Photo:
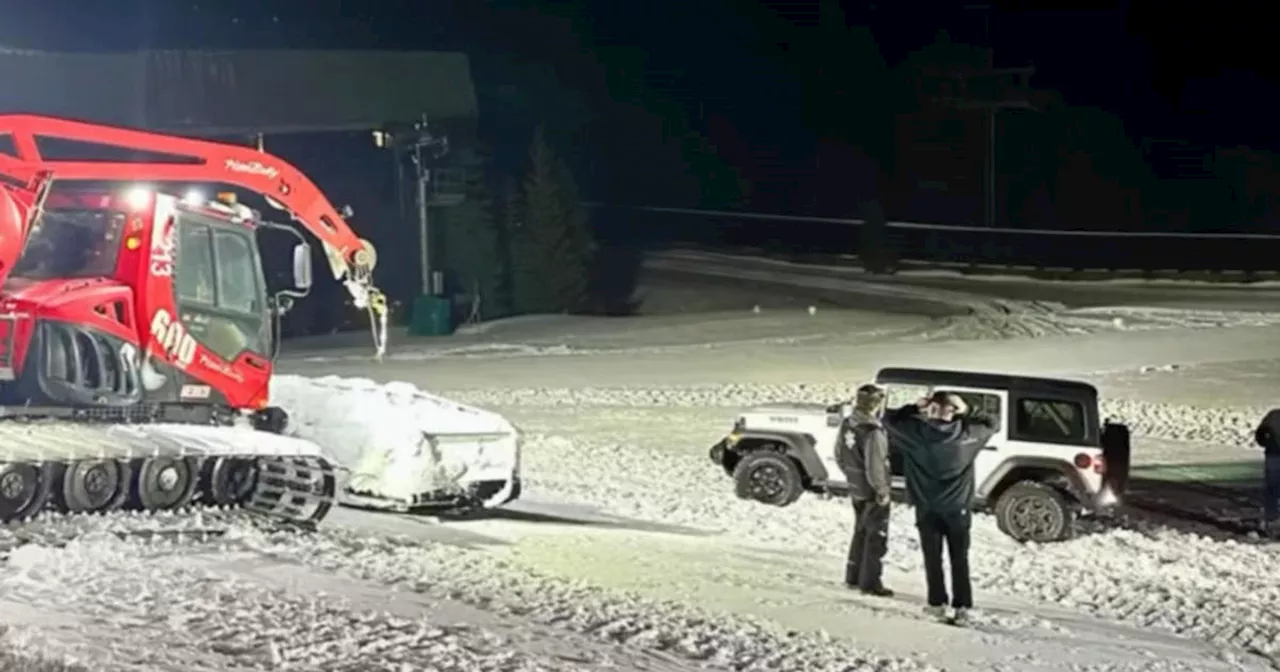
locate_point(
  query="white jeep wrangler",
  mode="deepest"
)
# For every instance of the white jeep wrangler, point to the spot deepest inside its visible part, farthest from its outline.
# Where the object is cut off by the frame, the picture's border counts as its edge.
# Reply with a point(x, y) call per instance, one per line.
point(1049, 459)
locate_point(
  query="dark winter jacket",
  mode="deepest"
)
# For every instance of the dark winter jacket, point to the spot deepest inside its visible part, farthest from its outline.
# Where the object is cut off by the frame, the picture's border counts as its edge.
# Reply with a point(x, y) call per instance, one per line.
point(1268, 433)
point(862, 453)
point(937, 457)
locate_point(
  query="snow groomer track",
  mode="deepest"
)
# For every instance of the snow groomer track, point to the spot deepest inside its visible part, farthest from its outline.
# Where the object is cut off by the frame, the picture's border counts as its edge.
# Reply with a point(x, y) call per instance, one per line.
point(84, 467)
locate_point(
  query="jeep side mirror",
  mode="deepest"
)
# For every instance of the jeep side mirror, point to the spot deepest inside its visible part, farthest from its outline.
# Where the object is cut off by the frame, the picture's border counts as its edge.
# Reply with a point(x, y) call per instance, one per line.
point(302, 266)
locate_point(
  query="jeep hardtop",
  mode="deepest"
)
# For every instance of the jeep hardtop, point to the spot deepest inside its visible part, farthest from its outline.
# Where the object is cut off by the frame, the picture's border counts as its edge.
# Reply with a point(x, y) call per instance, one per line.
point(1051, 457)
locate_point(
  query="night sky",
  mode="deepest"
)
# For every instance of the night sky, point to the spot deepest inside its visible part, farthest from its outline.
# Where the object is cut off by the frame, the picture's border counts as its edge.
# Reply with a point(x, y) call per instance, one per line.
point(1140, 60)
point(748, 76)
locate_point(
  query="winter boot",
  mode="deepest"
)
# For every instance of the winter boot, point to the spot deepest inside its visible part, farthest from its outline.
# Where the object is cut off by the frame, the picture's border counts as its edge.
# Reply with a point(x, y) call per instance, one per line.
point(937, 611)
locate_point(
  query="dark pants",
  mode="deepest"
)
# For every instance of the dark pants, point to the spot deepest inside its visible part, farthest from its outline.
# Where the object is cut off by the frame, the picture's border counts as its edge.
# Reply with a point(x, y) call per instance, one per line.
point(870, 542)
point(949, 529)
point(1271, 488)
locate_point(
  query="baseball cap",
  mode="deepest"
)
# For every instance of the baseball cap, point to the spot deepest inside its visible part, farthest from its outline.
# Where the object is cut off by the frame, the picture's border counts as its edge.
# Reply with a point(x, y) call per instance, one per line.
point(869, 395)
point(871, 388)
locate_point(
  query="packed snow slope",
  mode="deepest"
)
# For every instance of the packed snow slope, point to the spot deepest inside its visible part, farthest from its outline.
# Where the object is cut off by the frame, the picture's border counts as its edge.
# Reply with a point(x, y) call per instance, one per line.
point(622, 425)
point(628, 550)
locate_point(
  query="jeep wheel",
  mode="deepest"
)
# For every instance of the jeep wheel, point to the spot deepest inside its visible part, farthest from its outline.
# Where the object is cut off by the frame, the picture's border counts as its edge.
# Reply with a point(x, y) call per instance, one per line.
point(1033, 511)
point(769, 478)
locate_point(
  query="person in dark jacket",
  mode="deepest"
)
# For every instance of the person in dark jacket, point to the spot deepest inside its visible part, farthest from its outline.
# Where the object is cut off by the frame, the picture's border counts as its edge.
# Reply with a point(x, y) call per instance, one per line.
point(862, 453)
point(1267, 437)
point(939, 442)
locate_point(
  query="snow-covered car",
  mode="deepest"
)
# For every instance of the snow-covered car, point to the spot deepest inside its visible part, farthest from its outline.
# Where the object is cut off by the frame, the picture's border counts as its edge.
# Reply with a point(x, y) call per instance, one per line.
point(401, 448)
point(1050, 459)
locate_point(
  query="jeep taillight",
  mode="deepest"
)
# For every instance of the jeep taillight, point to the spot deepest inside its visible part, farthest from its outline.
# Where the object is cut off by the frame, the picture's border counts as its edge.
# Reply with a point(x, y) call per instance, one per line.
point(1085, 460)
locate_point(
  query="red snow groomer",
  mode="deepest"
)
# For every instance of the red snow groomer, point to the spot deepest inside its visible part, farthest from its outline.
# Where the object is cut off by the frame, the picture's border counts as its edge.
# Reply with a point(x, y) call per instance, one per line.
point(137, 331)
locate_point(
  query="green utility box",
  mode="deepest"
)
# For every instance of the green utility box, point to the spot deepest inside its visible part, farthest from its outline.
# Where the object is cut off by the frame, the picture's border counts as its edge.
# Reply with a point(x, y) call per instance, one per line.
point(432, 316)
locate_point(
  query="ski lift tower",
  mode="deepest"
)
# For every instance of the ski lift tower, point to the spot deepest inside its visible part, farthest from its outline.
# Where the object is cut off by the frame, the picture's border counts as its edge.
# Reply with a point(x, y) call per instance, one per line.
point(434, 186)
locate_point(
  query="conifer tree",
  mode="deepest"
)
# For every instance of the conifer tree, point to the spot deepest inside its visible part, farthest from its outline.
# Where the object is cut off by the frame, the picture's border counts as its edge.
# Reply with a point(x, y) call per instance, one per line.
point(552, 246)
point(471, 245)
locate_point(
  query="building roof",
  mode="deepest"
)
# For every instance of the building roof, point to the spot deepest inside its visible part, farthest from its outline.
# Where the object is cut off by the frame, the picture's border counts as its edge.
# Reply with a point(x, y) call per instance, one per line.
point(232, 92)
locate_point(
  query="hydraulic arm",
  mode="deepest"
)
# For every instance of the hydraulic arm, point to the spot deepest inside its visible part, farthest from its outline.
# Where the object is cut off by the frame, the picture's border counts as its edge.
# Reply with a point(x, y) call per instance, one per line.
point(351, 258)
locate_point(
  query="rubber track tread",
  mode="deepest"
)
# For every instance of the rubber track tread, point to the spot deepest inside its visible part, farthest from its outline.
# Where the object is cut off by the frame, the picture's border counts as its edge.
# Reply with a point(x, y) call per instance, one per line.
point(293, 481)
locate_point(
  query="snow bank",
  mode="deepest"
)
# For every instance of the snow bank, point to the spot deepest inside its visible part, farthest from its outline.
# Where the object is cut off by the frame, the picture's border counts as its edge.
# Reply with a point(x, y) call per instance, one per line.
point(1225, 426)
point(399, 442)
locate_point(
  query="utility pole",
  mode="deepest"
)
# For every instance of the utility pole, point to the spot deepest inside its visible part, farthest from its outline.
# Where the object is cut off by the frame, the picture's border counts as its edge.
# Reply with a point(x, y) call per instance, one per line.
point(424, 149)
point(431, 314)
point(424, 222)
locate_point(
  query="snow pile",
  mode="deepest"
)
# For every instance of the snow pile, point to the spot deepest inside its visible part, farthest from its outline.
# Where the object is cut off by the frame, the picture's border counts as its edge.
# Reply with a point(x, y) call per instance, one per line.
point(397, 441)
point(1227, 426)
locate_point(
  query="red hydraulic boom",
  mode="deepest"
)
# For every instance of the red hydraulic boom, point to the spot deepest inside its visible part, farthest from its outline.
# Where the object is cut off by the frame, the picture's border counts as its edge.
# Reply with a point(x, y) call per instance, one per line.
point(350, 257)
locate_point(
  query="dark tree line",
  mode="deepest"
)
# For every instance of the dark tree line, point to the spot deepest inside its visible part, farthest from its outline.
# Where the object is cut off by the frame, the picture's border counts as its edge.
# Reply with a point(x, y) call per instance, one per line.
point(520, 246)
point(878, 145)
point(865, 144)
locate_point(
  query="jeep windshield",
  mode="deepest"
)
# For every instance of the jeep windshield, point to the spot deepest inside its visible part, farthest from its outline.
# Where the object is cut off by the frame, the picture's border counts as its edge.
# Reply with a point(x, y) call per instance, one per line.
point(71, 243)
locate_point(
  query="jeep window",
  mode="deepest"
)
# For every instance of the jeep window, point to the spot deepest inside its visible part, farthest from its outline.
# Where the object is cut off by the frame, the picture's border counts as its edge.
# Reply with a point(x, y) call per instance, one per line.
point(901, 395)
point(1052, 420)
point(986, 405)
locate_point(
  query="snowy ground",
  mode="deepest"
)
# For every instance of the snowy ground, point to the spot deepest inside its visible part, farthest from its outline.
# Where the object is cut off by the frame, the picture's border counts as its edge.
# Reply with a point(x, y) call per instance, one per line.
point(629, 550)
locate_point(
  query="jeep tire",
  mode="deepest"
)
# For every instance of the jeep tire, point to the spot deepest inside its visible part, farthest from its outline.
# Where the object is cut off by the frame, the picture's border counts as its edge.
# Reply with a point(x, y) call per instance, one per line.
point(769, 478)
point(1034, 511)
